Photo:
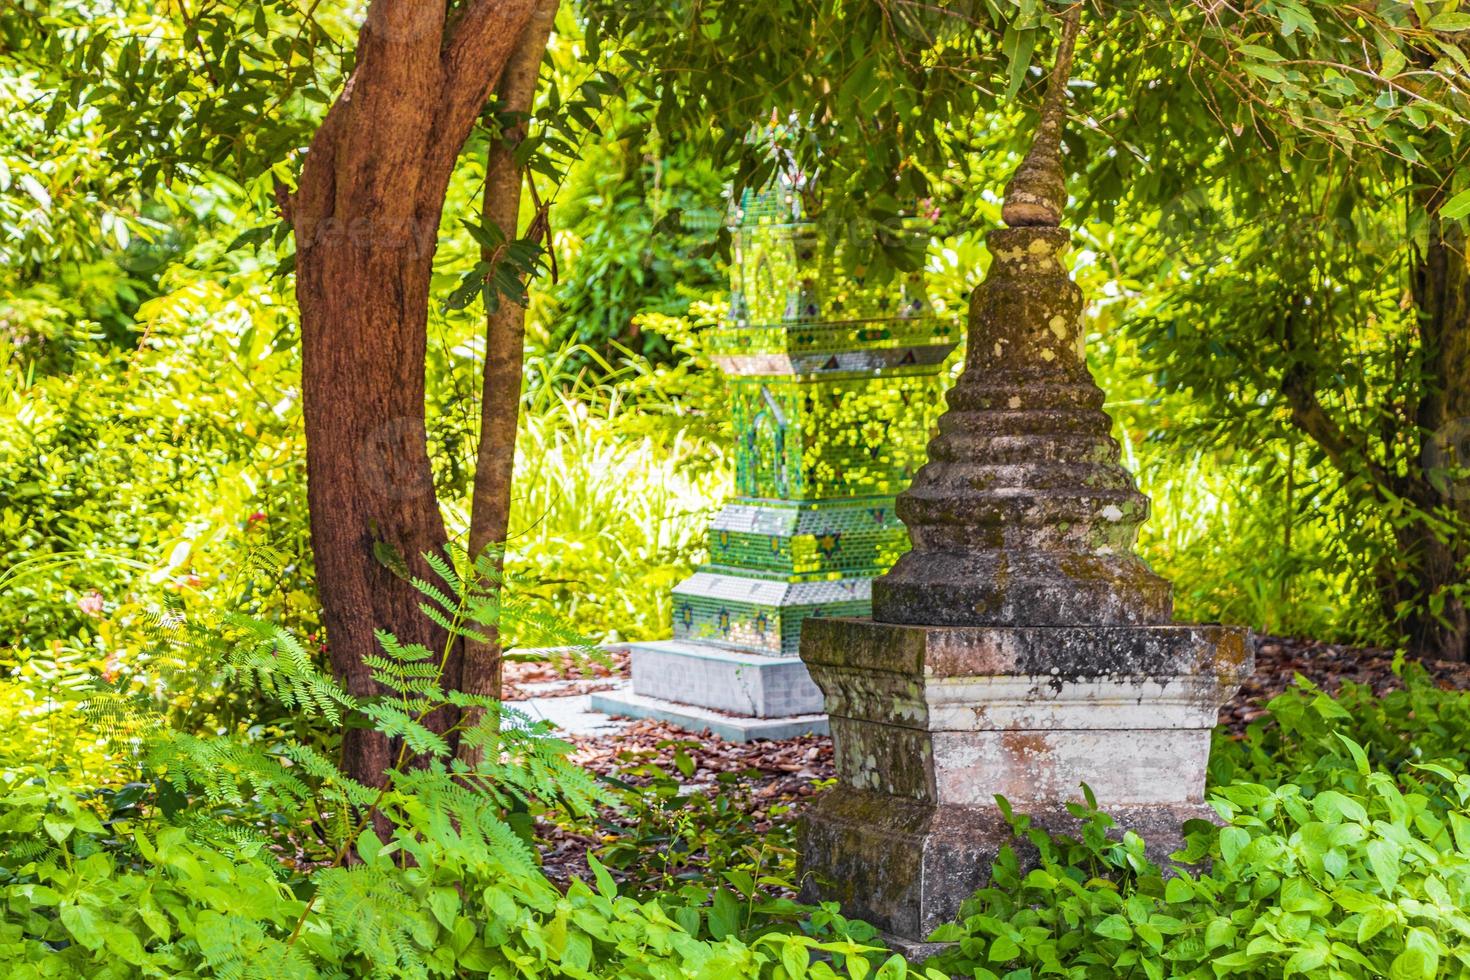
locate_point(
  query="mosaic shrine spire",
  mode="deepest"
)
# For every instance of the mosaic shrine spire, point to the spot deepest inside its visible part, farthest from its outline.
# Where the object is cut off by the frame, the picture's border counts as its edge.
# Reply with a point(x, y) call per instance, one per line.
point(833, 383)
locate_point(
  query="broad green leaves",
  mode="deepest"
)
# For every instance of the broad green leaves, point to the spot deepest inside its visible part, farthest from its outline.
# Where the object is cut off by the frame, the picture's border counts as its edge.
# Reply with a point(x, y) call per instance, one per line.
point(1354, 874)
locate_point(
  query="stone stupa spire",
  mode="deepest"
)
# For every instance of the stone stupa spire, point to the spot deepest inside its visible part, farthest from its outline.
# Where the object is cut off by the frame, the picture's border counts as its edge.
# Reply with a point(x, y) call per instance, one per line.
point(1023, 515)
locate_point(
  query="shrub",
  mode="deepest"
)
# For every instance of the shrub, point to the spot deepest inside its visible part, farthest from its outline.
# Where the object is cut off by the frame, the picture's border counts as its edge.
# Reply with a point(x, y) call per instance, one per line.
point(240, 856)
point(1344, 854)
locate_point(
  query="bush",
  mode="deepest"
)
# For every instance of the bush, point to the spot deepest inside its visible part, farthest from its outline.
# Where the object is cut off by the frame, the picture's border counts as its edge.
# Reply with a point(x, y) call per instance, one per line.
point(1349, 858)
point(252, 855)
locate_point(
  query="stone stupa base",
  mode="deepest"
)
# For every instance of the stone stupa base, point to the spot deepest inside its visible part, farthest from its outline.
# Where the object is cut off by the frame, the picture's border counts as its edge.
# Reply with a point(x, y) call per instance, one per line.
point(931, 723)
point(906, 866)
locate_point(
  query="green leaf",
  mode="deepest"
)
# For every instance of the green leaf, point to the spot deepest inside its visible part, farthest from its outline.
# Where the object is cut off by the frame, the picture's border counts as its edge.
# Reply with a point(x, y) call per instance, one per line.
point(1393, 63)
point(606, 887)
point(1307, 960)
point(1333, 807)
point(58, 828)
point(1264, 71)
point(794, 957)
point(1219, 932)
point(444, 903)
point(1383, 858)
point(1260, 53)
point(1232, 840)
point(1360, 758)
point(1003, 950)
point(1017, 47)
point(1114, 927)
point(724, 914)
point(1450, 21)
point(1456, 207)
point(1374, 921)
point(1413, 964)
point(83, 925)
point(251, 236)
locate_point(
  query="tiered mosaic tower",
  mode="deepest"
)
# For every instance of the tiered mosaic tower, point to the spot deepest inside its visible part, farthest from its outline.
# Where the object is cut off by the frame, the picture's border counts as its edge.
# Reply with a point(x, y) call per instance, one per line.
point(834, 388)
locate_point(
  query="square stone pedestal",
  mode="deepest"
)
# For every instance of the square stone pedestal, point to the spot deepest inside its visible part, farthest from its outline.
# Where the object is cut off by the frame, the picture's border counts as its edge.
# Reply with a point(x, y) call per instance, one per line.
point(930, 724)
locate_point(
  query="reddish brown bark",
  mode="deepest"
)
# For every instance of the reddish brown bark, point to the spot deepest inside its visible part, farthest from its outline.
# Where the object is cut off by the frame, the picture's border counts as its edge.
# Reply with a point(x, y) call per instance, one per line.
point(366, 216)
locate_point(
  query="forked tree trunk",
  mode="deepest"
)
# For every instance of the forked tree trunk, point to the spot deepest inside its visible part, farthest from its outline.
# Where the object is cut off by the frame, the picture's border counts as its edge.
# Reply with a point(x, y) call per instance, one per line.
point(366, 217)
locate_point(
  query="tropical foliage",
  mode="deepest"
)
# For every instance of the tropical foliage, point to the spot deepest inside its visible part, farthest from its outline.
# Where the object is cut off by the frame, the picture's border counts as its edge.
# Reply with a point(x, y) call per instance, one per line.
point(1270, 203)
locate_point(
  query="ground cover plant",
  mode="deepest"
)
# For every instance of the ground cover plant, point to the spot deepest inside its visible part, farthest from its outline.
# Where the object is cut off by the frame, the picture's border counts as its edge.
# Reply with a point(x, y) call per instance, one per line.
point(255, 856)
point(1346, 853)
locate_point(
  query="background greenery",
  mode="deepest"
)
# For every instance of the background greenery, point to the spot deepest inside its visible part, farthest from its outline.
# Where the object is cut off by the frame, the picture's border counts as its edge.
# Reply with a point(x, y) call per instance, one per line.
point(168, 803)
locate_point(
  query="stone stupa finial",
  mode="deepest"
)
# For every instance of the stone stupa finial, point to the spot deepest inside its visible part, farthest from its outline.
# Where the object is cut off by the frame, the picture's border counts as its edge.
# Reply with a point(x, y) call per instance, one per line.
point(1037, 193)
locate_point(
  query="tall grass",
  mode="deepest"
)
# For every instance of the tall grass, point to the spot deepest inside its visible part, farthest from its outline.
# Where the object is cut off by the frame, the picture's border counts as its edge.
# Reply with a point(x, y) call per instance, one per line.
point(616, 479)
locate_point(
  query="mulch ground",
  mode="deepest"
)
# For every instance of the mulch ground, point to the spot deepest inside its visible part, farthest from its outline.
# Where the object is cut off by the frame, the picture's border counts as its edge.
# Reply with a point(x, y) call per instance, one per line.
point(786, 771)
point(564, 674)
point(1280, 659)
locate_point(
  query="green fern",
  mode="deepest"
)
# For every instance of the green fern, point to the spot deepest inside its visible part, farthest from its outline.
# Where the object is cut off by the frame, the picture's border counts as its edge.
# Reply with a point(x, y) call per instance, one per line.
point(277, 663)
point(478, 602)
point(394, 722)
point(370, 911)
point(227, 770)
point(237, 948)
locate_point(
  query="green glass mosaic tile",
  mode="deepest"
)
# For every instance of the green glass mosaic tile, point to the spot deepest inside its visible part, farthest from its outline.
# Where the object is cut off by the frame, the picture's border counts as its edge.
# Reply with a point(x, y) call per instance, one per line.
point(731, 611)
point(838, 438)
point(834, 540)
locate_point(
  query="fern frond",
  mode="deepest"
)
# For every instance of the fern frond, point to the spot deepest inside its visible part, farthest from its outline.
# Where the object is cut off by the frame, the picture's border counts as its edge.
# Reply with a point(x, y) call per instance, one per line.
point(279, 666)
point(336, 785)
point(237, 947)
point(521, 760)
point(466, 821)
point(432, 592)
point(442, 568)
point(487, 566)
point(455, 626)
point(405, 652)
point(119, 719)
point(395, 723)
point(371, 912)
point(219, 767)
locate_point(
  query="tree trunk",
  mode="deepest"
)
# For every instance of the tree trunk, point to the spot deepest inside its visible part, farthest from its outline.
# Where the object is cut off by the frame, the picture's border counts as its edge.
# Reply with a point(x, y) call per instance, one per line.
point(366, 217)
point(1438, 560)
point(500, 397)
point(1433, 545)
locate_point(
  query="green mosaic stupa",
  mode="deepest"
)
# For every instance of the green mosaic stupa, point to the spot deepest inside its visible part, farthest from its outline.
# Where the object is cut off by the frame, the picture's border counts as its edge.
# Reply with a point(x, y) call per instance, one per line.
point(834, 386)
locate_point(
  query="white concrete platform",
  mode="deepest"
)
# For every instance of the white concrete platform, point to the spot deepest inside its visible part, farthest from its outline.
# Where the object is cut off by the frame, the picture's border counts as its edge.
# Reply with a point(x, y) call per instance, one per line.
point(571, 714)
point(731, 682)
point(624, 703)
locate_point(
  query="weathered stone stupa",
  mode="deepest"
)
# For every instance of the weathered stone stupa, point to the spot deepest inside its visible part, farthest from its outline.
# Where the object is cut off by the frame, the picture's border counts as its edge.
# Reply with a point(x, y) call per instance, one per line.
point(1020, 648)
